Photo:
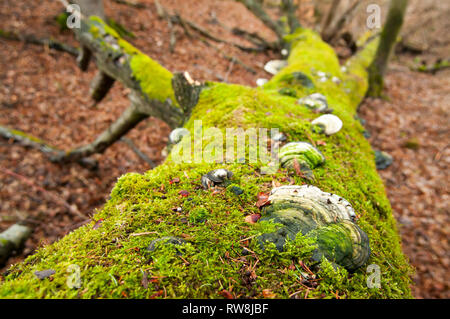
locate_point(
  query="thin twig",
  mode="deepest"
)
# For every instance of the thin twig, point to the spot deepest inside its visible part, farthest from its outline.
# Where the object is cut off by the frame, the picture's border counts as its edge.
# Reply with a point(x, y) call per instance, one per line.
point(133, 4)
point(177, 18)
point(36, 143)
point(230, 68)
point(330, 15)
point(229, 57)
point(217, 75)
point(46, 42)
point(144, 233)
point(341, 21)
point(252, 37)
point(255, 7)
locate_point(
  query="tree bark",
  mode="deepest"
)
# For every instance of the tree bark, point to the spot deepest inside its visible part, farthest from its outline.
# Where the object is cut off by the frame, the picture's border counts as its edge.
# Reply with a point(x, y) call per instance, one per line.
point(388, 39)
point(100, 86)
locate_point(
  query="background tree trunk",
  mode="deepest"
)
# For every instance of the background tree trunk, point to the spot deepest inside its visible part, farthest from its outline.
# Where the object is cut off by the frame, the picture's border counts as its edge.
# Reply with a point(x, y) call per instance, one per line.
point(388, 39)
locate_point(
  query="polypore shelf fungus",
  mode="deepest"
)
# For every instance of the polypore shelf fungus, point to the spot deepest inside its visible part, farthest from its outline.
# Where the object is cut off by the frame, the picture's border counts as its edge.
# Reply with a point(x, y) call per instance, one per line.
point(328, 218)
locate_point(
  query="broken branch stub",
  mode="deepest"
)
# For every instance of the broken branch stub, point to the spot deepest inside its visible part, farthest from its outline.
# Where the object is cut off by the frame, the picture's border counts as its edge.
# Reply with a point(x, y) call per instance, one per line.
point(187, 91)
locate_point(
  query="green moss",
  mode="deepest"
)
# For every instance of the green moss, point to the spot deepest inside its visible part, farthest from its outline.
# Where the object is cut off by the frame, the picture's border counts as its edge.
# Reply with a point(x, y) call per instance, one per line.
point(61, 21)
point(143, 207)
point(154, 80)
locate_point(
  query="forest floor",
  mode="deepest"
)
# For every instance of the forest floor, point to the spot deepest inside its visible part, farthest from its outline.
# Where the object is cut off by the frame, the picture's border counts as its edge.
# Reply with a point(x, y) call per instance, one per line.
point(43, 92)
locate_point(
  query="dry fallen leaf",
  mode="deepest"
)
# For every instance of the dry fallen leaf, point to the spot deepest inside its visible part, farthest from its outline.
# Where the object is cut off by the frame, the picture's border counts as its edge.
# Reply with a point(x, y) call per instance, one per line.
point(184, 193)
point(226, 294)
point(263, 199)
point(253, 218)
point(267, 293)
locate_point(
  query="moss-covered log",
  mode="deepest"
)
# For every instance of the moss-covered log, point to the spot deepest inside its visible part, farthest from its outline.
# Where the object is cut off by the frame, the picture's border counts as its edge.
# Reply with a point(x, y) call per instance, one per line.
point(210, 250)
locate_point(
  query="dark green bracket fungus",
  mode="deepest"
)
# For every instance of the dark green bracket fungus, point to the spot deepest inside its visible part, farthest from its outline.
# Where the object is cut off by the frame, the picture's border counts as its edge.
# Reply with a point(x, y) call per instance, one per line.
point(302, 154)
point(154, 203)
point(326, 217)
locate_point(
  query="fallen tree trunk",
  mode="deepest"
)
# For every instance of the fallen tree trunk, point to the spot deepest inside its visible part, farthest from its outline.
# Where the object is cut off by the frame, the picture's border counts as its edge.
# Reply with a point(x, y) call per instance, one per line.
point(161, 234)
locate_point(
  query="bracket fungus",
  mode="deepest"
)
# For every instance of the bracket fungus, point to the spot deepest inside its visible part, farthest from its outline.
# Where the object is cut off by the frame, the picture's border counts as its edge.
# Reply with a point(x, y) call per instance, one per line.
point(306, 155)
point(275, 66)
point(279, 137)
point(216, 177)
point(328, 218)
point(316, 101)
point(177, 135)
point(329, 123)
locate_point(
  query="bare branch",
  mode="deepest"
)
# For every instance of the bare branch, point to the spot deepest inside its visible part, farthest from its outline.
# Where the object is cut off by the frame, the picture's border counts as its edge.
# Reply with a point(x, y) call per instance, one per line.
point(255, 7)
point(328, 36)
point(289, 9)
point(32, 39)
point(138, 152)
point(330, 15)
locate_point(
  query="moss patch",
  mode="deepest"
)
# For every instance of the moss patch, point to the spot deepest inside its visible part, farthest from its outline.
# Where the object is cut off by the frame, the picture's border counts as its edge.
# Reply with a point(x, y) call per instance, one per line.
point(154, 79)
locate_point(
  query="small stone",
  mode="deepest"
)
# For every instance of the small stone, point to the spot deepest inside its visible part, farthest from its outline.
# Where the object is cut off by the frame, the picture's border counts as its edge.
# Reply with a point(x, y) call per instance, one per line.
point(360, 120)
point(336, 80)
point(330, 123)
point(383, 160)
point(43, 274)
point(321, 74)
point(275, 66)
point(261, 82)
point(279, 137)
point(216, 177)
